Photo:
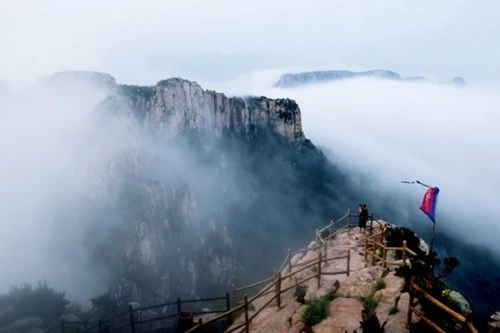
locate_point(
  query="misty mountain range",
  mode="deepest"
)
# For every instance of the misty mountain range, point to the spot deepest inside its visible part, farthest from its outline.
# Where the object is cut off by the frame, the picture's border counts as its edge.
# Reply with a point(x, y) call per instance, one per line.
point(305, 78)
point(174, 190)
point(196, 186)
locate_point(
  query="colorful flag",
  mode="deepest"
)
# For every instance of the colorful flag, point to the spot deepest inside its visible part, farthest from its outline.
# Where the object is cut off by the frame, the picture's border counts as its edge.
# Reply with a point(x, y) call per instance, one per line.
point(429, 202)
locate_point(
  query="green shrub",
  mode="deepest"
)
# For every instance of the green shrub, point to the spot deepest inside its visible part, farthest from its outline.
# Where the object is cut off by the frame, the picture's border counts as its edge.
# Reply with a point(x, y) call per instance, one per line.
point(369, 303)
point(300, 293)
point(40, 301)
point(380, 284)
point(450, 302)
point(393, 310)
point(315, 312)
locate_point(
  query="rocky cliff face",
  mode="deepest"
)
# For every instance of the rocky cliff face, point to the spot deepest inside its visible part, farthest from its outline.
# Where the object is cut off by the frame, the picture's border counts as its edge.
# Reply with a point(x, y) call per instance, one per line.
point(299, 79)
point(175, 106)
point(201, 185)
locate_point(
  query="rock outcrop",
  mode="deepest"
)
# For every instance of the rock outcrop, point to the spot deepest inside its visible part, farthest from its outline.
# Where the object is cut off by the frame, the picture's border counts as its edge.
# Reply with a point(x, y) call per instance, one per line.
point(348, 292)
point(175, 105)
point(494, 323)
point(299, 79)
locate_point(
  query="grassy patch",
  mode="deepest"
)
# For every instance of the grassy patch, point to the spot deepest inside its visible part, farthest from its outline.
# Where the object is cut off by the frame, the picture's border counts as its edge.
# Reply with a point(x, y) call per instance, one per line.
point(393, 310)
point(315, 312)
point(369, 303)
point(380, 284)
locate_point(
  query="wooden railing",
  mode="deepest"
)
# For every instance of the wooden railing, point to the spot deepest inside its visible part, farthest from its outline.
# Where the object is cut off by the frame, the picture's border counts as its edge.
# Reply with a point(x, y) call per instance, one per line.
point(140, 319)
point(276, 285)
point(464, 320)
point(376, 249)
point(377, 242)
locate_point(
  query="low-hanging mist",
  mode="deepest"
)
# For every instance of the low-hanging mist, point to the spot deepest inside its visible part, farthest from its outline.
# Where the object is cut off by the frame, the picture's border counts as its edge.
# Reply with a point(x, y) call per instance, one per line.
point(179, 191)
point(52, 161)
point(167, 189)
point(444, 136)
point(383, 132)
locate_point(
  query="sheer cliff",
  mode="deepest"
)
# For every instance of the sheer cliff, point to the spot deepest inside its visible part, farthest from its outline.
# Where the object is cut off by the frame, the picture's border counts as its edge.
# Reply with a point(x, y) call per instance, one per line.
point(198, 187)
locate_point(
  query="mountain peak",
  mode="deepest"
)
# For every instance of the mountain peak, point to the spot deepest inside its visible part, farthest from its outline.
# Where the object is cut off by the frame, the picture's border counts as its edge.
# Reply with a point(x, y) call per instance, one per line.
point(298, 79)
point(177, 82)
point(97, 78)
point(176, 105)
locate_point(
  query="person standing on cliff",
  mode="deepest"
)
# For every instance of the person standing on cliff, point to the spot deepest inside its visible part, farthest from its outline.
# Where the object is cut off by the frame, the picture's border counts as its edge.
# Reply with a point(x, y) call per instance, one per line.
point(363, 216)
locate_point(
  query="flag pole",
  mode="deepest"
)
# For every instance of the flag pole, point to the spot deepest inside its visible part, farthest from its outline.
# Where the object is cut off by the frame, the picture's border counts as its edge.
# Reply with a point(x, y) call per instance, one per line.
point(432, 237)
point(433, 222)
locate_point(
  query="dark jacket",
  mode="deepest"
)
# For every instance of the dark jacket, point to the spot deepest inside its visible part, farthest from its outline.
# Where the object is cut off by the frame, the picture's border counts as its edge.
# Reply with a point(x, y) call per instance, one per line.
point(363, 218)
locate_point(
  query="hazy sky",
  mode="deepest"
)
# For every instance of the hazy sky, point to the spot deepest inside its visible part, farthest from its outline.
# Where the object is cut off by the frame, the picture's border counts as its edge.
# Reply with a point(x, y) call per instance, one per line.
point(145, 41)
point(442, 135)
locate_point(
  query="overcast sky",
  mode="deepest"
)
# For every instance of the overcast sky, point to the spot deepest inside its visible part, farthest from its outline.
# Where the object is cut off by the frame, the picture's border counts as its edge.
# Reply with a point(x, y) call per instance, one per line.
point(145, 41)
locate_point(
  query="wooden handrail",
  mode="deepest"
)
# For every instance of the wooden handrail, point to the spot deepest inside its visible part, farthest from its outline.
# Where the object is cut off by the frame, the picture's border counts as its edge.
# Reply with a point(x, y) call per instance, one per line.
point(464, 320)
point(286, 261)
point(440, 305)
point(261, 293)
point(315, 262)
point(268, 290)
point(427, 321)
point(300, 282)
point(278, 280)
point(335, 258)
point(263, 307)
point(254, 284)
point(335, 222)
point(314, 248)
point(304, 263)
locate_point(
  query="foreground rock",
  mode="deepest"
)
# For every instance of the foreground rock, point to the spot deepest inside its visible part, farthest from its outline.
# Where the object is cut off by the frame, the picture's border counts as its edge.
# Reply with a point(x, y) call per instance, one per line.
point(494, 323)
point(344, 311)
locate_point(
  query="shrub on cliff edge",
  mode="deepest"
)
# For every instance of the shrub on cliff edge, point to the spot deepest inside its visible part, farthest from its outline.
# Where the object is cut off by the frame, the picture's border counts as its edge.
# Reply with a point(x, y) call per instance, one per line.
point(315, 312)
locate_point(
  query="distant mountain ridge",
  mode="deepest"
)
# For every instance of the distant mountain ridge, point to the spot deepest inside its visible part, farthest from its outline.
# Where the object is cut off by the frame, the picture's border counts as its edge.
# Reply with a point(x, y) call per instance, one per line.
point(305, 78)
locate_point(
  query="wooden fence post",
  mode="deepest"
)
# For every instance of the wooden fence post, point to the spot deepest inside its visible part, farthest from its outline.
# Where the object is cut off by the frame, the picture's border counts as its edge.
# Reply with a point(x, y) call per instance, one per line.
point(278, 289)
point(348, 217)
point(410, 305)
point(235, 301)
point(348, 262)
point(468, 321)
point(131, 316)
point(179, 305)
point(245, 300)
point(366, 248)
point(289, 262)
point(371, 224)
point(404, 253)
point(326, 253)
point(100, 326)
point(319, 270)
point(228, 308)
point(62, 326)
point(374, 249)
point(200, 325)
point(384, 253)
